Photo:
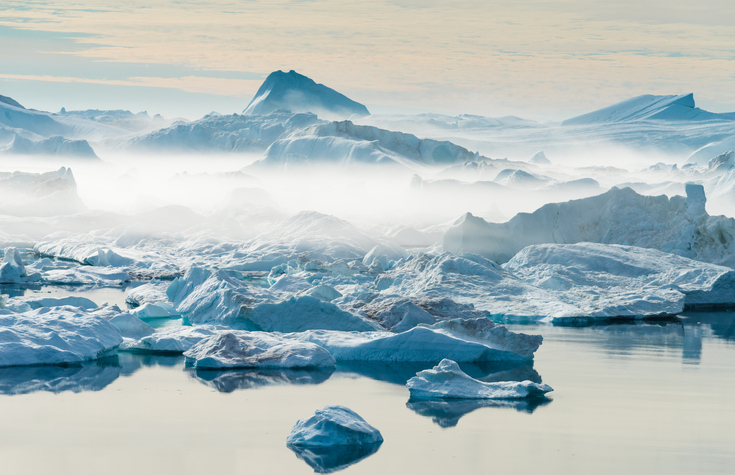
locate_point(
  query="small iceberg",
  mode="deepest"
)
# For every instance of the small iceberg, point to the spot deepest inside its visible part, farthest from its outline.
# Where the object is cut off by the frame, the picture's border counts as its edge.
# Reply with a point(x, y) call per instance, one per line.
point(333, 425)
point(256, 350)
point(333, 438)
point(448, 381)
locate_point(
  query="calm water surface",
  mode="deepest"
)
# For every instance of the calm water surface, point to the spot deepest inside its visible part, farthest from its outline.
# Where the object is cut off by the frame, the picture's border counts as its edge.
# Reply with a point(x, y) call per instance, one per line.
point(627, 399)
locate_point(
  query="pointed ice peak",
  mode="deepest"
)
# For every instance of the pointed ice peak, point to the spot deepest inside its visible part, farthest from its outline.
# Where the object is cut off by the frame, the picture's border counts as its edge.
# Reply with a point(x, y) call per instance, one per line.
point(11, 102)
point(540, 159)
point(298, 93)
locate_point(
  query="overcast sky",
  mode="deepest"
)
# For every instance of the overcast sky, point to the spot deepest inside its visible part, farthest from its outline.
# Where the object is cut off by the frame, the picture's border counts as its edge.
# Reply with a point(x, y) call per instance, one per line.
point(543, 60)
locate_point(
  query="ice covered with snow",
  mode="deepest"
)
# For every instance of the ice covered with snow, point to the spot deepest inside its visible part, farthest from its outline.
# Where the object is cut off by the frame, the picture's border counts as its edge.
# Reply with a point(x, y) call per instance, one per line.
point(708, 152)
point(155, 310)
point(153, 291)
point(630, 280)
point(621, 216)
point(333, 426)
point(56, 145)
point(424, 344)
point(649, 107)
point(297, 93)
point(62, 335)
point(344, 143)
point(131, 326)
point(32, 302)
point(539, 158)
point(174, 339)
point(12, 269)
point(39, 194)
point(239, 349)
point(447, 381)
point(216, 133)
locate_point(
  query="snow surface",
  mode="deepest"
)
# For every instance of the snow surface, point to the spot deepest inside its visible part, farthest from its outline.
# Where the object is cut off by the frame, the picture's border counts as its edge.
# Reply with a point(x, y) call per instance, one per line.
point(333, 426)
point(297, 93)
point(50, 336)
point(256, 350)
point(447, 381)
point(173, 339)
point(131, 326)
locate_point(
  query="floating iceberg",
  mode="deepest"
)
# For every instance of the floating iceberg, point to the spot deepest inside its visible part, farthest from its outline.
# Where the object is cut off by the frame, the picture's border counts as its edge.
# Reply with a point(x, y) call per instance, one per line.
point(256, 350)
point(425, 344)
point(333, 426)
point(61, 335)
point(629, 280)
point(448, 381)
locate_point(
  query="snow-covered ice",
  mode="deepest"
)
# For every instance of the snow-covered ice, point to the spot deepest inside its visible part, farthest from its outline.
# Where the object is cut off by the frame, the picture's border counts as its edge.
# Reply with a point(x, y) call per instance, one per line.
point(447, 381)
point(333, 426)
point(60, 335)
point(256, 350)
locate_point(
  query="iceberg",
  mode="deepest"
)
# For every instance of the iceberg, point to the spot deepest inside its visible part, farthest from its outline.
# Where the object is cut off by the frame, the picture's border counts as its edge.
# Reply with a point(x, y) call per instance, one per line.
point(447, 381)
point(649, 107)
point(447, 412)
point(630, 280)
point(51, 146)
point(348, 144)
point(12, 269)
point(620, 216)
point(173, 339)
point(333, 426)
point(131, 327)
point(424, 344)
point(255, 350)
point(298, 93)
point(53, 336)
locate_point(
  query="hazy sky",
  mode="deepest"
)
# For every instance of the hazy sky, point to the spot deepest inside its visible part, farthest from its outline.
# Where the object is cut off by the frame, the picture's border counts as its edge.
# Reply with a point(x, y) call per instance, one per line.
point(536, 59)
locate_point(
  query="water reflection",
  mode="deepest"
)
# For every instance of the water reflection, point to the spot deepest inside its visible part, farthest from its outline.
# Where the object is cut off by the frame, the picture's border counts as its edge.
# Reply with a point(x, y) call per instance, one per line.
point(334, 459)
point(56, 379)
point(227, 381)
point(448, 412)
point(92, 376)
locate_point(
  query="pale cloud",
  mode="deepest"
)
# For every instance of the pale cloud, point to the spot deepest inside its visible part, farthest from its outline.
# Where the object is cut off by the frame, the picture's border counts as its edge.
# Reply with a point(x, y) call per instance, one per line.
point(199, 85)
point(492, 57)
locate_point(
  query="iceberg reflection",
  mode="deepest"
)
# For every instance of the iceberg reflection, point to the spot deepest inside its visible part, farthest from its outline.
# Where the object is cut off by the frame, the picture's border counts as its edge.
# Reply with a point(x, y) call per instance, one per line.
point(448, 412)
point(56, 379)
point(335, 458)
point(228, 381)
